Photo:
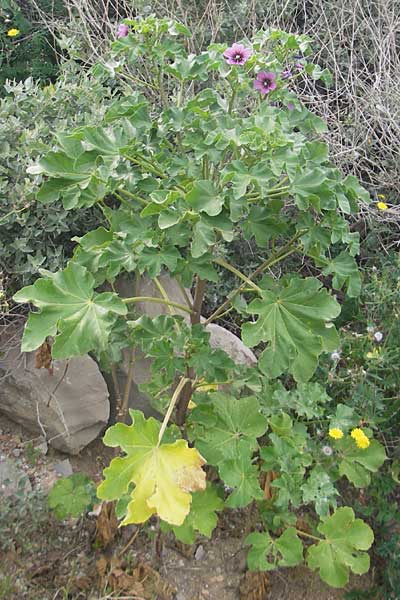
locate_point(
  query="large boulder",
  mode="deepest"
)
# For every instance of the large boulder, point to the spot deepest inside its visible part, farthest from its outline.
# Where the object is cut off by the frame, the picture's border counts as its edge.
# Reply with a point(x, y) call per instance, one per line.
point(68, 406)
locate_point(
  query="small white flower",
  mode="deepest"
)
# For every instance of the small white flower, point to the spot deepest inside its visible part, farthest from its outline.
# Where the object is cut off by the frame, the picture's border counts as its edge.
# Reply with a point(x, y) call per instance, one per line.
point(335, 355)
point(378, 336)
point(327, 450)
point(370, 328)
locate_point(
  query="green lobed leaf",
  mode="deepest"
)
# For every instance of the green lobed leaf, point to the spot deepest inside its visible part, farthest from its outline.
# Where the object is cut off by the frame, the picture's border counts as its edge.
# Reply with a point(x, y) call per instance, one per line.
point(202, 517)
point(69, 309)
point(294, 318)
point(243, 476)
point(72, 496)
point(342, 549)
point(229, 423)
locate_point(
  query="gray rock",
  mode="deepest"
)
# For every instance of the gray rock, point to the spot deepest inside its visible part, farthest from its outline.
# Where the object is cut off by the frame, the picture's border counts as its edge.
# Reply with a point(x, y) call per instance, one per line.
point(231, 344)
point(69, 408)
point(63, 468)
point(12, 479)
point(200, 553)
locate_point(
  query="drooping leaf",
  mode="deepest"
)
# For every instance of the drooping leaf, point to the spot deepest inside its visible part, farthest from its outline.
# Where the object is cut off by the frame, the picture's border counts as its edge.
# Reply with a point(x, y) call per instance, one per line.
point(294, 318)
point(342, 550)
point(164, 475)
point(69, 309)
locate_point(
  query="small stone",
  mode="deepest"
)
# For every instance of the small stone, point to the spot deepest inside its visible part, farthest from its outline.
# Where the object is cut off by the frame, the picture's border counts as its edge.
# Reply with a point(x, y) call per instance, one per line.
point(63, 468)
point(200, 553)
point(181, 563)
point(16, 452)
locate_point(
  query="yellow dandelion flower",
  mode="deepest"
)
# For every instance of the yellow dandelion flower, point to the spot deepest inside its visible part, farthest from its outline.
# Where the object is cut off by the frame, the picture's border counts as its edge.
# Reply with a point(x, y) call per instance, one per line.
point(360, 438)
point(382, 206)
point(336, 433)
point(13, 32)
point(381, 196)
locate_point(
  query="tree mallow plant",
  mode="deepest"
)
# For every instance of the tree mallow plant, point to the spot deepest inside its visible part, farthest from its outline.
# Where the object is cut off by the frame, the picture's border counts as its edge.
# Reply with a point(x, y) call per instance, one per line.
point(206, 149)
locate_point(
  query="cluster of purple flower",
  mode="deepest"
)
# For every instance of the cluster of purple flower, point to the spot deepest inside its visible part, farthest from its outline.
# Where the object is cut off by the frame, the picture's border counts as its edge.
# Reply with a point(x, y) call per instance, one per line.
point(237, 54)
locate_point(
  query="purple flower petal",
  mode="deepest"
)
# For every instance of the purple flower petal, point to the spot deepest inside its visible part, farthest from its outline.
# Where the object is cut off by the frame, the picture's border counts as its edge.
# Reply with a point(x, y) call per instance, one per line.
point(265, 82)
point(237, 54)
point(290, 106)
point(286, 74)
point(122, 31)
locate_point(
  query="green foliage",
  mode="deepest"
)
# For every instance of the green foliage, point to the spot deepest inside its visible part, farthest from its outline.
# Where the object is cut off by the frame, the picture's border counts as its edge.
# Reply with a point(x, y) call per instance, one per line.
point(178, 178)
point(31, 235)
point(71, 496)
point(286, 550)
point(202, 517)
point(343, 548)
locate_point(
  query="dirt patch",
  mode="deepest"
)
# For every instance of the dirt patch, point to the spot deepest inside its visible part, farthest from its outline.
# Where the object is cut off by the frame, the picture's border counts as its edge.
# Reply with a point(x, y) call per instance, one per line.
point(45, 559)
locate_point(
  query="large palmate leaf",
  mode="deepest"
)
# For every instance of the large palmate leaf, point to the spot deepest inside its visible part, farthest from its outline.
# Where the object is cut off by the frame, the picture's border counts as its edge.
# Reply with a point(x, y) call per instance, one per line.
point(341, 550)
point(294, 319)
point(202, 517)
point(219, 429)
point(163, 474)
point(80, 319)
point(267, 553)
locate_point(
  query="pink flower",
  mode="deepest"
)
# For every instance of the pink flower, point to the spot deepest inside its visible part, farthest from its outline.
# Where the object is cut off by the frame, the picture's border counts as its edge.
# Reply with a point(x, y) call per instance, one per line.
point(237, 54)
point(265, 82)
point(122, 31)
point(290, 106)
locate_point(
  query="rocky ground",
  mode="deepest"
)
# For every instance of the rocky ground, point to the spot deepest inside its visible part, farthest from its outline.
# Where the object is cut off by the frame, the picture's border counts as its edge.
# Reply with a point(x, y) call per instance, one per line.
point(90, 558)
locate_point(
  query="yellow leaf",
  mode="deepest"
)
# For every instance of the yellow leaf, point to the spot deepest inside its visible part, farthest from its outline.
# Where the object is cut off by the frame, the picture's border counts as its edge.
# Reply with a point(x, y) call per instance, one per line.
point(164, 481)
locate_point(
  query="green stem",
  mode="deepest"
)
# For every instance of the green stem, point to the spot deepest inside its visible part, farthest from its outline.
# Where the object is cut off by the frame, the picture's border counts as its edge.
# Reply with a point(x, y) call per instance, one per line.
point(157, 301)
point(145, 164)
point(175, 397)
point(231, 101)
point(308, 535)
point(285, 251)
point(131, 195)
point(232, 269)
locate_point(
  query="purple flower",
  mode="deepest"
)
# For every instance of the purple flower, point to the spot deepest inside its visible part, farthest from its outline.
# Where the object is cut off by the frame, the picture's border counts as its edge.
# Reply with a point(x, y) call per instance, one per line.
point(237, 54)
point(299, 66)
point(290, 106)
point(122, 31)
point(265, 82)
point(286, 74)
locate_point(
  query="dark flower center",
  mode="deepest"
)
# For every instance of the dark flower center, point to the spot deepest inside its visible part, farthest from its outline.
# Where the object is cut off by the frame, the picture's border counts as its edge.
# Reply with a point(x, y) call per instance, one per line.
point(267, 82)
point(238, 57)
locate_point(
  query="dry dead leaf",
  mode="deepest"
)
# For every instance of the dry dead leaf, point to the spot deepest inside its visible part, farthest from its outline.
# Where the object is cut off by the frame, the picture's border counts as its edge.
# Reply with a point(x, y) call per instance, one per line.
point(43, 358)
point(106, 524)
point(254, 586)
